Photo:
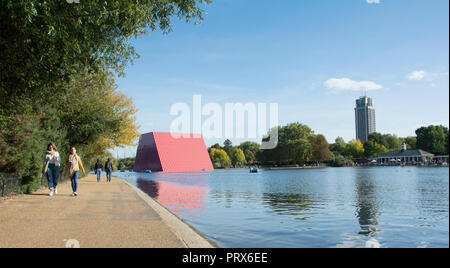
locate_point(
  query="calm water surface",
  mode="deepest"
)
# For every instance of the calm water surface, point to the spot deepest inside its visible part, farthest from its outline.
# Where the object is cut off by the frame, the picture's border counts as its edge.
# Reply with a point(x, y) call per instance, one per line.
point(332, 207)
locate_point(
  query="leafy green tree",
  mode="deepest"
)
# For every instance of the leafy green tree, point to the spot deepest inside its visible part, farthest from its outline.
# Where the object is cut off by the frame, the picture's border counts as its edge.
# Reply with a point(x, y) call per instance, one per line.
point(354, 149)
point(393, 142)
point(251, 151)
point(126, 163)
point(294, 145)
point(374, 149)
point(219, 158)
point(339, 146)
point(238, 158)
point(46, 41)
point(378, 138)
point(433, 139)
point(341, 161)
point(411, 142)
point(228, 147)
point(57, 62)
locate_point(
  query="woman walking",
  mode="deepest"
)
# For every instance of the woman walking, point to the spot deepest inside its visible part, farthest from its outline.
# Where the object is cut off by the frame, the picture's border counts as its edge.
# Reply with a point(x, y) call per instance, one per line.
point(98, 169)
point(74, 164)
point(51, 168)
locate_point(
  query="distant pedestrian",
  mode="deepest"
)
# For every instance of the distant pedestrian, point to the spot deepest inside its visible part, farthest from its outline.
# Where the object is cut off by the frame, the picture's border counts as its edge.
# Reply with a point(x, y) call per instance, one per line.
point(51, 168)
point(98, 169)
point(108, 169)
point(74, 164)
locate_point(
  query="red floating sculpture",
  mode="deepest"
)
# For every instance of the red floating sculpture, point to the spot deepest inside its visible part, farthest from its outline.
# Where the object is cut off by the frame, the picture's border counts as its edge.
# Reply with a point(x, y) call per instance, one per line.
point(172, 152)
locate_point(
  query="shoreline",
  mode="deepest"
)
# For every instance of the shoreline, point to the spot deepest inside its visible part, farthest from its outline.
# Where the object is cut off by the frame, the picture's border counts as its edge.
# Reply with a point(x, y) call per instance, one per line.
point(190, 237)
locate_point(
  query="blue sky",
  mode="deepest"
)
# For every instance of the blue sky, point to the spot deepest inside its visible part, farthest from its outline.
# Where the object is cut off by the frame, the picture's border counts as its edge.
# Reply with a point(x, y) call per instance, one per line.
point(309, 56)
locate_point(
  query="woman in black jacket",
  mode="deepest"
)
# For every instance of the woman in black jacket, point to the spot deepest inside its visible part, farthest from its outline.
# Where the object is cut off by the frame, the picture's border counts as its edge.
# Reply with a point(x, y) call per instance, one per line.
point(98, 169)
point(108, 169)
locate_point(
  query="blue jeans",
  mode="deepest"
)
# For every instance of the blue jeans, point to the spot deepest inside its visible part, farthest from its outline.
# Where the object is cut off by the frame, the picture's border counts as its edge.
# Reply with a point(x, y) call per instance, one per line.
point(108, 176)
point(74, 181)
point(99, 173)
point(52, 176)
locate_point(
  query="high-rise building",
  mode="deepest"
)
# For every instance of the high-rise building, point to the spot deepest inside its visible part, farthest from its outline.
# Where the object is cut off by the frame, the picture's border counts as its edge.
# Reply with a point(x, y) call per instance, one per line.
point(364, 118)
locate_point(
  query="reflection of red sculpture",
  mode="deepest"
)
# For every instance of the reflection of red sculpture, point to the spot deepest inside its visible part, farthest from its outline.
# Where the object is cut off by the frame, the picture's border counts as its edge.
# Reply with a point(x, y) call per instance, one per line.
point(176, 197)
point(159, 151)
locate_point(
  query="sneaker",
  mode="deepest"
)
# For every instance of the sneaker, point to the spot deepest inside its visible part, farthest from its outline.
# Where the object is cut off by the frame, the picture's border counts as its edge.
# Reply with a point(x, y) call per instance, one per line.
point(56, 191)
point(51, 193)
point(73, 194)
point(76, 194)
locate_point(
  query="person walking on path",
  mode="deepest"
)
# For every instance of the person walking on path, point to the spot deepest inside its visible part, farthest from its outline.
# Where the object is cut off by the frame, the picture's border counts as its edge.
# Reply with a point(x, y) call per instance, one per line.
point(98, 169)
point(108, 169)
point(51, 168)
point(74, 164)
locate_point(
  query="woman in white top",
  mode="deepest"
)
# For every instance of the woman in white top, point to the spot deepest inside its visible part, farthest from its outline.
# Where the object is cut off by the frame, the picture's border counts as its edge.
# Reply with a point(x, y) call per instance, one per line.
point(52, 163)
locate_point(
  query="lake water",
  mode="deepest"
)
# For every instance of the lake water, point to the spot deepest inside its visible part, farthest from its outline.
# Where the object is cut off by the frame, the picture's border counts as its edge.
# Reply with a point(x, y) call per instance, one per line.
point(331, 207)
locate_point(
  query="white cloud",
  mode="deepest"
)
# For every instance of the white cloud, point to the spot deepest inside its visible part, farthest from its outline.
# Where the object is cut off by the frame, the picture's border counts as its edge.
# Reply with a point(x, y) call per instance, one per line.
point(373, 1)
point(426, 76)
point(342, 84)
point(417, 75)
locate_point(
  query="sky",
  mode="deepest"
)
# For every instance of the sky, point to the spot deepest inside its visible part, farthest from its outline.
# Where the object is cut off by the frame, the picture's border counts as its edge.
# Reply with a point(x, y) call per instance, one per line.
point(313, 58)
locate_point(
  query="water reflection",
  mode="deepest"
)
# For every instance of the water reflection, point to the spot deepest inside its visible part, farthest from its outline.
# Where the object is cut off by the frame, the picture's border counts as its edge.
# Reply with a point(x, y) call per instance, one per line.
point(366, 201)
point(183, 200)
point(289, 204)
point(345, 207)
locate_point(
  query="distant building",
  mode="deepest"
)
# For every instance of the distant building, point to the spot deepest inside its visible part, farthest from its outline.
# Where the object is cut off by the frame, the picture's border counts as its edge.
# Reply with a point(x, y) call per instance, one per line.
point(364, 118)
point(405, 156)
point(163, 152)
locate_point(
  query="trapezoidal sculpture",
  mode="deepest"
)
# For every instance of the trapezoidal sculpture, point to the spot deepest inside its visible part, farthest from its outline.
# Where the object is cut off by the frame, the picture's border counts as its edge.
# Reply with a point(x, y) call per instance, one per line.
point(168, 152)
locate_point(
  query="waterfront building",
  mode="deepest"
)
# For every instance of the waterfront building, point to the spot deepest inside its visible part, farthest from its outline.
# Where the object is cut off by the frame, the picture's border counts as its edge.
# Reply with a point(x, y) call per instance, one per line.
point(405, 156)
point(364, 118)
point(441, 158)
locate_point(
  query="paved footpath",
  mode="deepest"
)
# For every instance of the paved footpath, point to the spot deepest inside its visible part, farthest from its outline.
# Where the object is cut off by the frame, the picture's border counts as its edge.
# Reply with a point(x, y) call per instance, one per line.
point(102, 215)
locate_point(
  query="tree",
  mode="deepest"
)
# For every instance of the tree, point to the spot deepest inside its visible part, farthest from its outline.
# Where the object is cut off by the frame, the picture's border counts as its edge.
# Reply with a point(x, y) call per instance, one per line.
point(354, 149)
point(411, 142)
point(378, 138)
point(228, 147)
point(294, 145)
point(341, 161)
point(219, 158)
point(433, 139)
point(238, 158)
point(339, 146)
point(391, 142)
point(46, 41)
point(58, 62)
point(321, 151)
point(251, 151)
point(373, 149)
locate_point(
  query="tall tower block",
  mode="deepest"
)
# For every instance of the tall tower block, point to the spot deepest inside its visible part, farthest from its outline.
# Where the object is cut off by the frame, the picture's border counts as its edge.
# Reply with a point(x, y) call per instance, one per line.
point(364, 118)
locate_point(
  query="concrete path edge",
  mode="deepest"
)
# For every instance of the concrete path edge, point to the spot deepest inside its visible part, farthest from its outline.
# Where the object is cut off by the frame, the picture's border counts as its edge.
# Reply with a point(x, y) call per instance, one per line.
point(186, 233)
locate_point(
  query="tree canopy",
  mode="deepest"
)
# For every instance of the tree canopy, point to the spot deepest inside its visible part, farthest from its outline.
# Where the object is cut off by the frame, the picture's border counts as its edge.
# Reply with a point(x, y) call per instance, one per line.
point(47, 41)
point(219, 158)
point(59, 61)
point(433, 139)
